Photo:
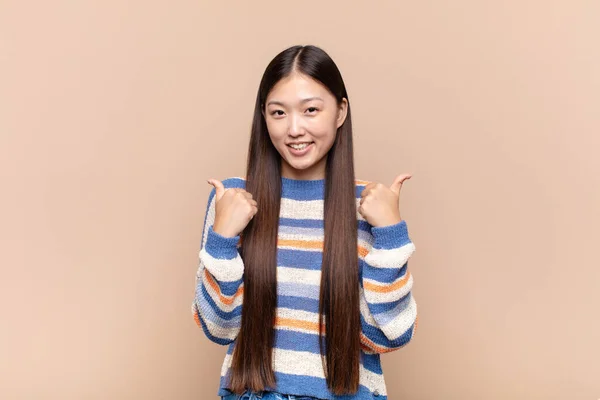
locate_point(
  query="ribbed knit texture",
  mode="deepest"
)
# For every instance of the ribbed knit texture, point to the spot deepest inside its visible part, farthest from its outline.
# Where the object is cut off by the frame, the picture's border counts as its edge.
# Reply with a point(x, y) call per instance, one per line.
point(388, 309)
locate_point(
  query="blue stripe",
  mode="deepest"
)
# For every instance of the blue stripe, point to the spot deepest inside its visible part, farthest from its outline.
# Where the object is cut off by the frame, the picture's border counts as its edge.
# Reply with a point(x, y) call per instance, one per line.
point(209, 335)
point(231, 346)
point(382, 275)
point(225, 315)
point(311, 260)
point(359, 190)
point(221, 247)
point(298, 303)
point(234, 183)
point(364, 225)
point(390, 237)
point(298, 290)
point(302, 223)
point(303, 190)
point(297, 341)
point(371, 362)
point(389, 307)
point(318, 223)
point(229, 288)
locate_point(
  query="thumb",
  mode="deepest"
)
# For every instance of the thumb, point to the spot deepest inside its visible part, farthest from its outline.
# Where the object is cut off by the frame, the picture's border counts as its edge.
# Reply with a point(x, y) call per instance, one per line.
point(219, 188)
point(397, 184)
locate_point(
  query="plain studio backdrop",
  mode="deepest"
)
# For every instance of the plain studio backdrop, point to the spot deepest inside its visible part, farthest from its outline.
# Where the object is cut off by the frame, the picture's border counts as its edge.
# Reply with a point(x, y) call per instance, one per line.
point(114, 113)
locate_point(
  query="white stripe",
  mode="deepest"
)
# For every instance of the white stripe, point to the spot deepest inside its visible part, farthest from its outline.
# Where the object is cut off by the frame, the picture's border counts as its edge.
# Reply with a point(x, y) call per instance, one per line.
point(295, 232)
point(223, 270)
point(313, 234)
point(308, 209)
point(390, 258)
point(299, 275)
point(398, 326)
point(303, 234)
point(226, 364)
point(301, 315)
point(300, 233)
point(364, 309)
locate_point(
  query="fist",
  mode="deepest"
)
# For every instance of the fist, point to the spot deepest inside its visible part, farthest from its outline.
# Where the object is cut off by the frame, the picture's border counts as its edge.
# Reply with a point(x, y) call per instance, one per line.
point(234, 208)
point(379, 204)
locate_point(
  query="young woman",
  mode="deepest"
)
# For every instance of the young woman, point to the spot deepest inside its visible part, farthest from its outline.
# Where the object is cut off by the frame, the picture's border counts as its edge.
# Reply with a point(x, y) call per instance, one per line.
point(303, 268)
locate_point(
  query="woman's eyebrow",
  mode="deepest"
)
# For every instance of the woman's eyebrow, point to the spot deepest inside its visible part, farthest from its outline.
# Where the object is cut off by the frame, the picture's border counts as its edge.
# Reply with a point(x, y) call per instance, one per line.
point(301, 101)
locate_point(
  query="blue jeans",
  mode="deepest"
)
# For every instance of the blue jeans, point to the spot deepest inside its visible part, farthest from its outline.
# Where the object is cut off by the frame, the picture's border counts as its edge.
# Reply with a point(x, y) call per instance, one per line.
point(265, 395)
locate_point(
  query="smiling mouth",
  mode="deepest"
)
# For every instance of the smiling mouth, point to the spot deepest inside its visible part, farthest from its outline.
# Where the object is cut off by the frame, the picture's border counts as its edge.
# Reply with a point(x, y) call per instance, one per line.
point(300, 147)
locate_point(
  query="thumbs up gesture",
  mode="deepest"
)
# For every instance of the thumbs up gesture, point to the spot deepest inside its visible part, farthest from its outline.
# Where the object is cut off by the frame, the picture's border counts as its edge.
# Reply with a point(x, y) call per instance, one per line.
point(234, 208)
point(379, 204)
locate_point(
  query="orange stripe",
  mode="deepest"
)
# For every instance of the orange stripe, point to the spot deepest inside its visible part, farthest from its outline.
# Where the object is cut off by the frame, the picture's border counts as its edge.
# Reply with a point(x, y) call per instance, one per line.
point(297, 323)
point(314, 327)
point(387, 288)
point(197, 319)
point(372, 346)
point(365, 348)
point(314, 245)
point(363, 251)
point(223, 299)
point(301, 244)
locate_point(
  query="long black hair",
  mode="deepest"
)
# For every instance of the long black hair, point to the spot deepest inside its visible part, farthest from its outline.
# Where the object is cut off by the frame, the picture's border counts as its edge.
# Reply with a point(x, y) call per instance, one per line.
point(339, 313)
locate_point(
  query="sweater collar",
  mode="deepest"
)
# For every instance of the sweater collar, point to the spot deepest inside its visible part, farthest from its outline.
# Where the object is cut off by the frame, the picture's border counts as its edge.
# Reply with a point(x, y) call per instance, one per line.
point(303, 188)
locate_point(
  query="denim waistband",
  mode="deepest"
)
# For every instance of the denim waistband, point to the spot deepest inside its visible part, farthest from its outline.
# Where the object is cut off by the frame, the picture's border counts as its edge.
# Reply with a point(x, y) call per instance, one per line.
point(266, 395)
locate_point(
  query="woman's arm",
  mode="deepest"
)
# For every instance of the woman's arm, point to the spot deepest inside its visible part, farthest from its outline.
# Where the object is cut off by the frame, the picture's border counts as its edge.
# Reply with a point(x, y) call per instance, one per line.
point(388, 309)
point(217, 305)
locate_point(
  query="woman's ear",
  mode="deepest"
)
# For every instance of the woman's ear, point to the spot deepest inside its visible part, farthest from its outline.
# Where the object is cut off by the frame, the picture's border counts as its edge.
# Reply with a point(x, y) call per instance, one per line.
point(342, 112)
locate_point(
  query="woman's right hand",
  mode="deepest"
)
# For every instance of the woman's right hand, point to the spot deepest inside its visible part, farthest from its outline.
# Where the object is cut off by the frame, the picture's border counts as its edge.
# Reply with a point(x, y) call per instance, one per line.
point(234, 208)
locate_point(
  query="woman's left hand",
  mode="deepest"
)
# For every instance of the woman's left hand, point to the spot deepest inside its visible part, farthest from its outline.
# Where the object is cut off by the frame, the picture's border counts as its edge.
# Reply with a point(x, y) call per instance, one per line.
point(379, 204)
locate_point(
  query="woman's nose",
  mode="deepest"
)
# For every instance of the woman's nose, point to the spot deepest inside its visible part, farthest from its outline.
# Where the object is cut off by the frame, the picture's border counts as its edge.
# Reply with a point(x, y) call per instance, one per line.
point(296, 125)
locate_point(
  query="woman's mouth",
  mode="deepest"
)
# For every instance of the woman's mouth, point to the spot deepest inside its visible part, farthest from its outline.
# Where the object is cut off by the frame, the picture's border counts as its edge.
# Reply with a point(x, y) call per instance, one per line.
point(300, 150)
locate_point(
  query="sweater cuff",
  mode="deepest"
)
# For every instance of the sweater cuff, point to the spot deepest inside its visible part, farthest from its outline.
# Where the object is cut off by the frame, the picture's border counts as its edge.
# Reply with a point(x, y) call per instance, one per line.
point(219, 246)
point(391, 236)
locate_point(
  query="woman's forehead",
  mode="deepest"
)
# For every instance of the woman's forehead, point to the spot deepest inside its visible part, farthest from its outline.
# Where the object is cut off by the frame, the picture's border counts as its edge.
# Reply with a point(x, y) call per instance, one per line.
point(298, 88)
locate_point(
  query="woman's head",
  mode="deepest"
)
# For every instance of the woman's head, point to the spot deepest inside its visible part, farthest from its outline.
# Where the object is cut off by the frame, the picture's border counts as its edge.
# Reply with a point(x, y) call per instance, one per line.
point(294, 75)
point(302, 99)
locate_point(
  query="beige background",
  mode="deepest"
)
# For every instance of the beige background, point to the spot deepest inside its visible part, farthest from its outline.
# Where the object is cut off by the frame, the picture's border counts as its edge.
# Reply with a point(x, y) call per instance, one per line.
point(114, 113)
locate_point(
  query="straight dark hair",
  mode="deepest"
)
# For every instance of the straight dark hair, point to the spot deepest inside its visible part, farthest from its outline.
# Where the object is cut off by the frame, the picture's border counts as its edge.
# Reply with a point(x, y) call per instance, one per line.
point(339, 312)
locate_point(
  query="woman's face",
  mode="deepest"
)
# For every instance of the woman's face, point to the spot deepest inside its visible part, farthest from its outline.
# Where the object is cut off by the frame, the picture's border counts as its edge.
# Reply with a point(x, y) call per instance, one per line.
point(301, 110)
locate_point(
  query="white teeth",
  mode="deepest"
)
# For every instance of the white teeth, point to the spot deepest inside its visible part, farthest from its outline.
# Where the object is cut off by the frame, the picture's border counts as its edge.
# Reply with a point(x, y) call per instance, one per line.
point(300, 146)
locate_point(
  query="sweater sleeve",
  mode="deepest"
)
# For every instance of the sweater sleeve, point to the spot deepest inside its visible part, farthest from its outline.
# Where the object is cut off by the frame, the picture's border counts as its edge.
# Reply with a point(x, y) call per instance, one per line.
point(217, 305)
point(388, 308)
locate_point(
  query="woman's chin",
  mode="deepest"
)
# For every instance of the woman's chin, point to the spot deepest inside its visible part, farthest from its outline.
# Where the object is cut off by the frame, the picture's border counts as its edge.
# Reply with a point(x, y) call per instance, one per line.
point(300, 166)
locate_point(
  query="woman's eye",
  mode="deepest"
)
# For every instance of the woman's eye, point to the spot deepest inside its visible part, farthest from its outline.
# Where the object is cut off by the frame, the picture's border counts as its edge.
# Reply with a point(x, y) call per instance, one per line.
point(276, 112)
point(314, 109)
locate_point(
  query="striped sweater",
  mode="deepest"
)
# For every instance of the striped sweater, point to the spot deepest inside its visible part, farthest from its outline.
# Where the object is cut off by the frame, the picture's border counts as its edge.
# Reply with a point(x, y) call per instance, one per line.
point(388, 309)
